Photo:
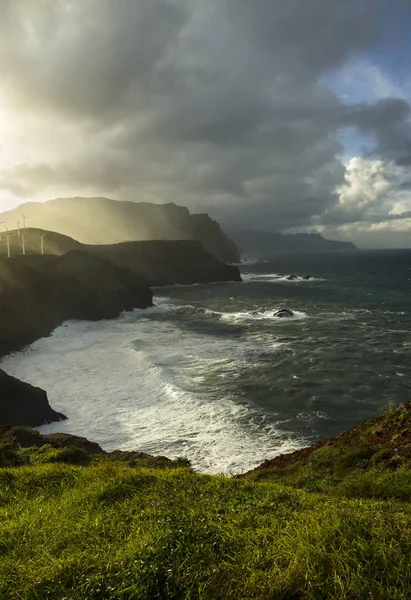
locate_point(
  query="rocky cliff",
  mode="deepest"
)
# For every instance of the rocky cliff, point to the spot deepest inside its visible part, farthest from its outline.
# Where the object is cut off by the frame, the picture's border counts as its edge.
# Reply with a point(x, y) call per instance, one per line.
point(23, 404)
point(38, 293)
point(106, 221)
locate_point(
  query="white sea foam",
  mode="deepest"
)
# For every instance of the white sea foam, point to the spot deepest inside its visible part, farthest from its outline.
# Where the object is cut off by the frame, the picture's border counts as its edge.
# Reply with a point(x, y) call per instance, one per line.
point(142, 383)
point(275, 278)
point(262, 316)
point(254, 315)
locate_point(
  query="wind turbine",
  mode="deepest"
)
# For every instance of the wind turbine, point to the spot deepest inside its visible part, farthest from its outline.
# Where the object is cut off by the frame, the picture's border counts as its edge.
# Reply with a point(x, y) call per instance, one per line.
point(23, 245)
point(8, 241)
point(24, 221)
point(42, 243)
point(1, 223)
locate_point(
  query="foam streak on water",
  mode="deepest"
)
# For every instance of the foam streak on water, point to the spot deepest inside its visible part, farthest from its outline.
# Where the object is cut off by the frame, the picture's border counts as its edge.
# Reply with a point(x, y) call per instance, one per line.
point(137, 383)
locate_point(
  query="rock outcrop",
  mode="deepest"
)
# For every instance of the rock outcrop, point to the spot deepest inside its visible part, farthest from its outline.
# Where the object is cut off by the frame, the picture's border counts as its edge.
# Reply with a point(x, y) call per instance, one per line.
point(38, 293)
point(284, 313)
point(23, 404)
point(106, 221)
point(17, 437)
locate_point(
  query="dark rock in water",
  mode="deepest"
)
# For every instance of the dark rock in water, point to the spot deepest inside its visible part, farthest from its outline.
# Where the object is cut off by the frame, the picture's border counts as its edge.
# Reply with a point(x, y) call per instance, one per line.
point(307, 277)
point(23, 404)
point(292, 277)
point(284, 313)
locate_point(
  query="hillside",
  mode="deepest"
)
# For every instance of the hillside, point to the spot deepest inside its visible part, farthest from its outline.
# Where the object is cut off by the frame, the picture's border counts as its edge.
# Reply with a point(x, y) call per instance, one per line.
point(106, 221)
point(264, 244)
point(80, 523)
point(53, 243)
point(158, 262)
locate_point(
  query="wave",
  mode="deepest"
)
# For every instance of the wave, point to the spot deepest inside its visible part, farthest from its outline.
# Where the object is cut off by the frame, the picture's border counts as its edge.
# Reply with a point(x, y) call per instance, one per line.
point(166, 305)
point(254, 315)
point(263, 315)
point(143, 383)
point(276, 278)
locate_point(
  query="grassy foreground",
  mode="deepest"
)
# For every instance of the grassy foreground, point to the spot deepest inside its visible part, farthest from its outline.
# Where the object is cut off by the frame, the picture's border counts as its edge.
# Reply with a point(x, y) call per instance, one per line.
point(334, 524)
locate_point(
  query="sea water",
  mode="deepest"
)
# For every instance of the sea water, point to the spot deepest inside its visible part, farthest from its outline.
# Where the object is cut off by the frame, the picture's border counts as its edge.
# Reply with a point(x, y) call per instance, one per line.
point(210, 373)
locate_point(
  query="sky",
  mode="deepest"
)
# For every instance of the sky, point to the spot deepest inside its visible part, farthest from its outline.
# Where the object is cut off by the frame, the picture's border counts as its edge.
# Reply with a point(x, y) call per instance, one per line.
point(279, 115)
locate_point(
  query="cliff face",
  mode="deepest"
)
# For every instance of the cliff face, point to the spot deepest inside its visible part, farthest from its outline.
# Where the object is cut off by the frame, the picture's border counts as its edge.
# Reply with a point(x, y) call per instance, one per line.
point(213, 238)
point(105, 221)
point(23, 404)
point(167, 263)
point(38, 293)
point(265, 244)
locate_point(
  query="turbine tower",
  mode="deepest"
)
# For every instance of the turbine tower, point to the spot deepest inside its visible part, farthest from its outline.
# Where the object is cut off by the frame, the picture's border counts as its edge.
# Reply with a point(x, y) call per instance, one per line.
point(8, 241)
point(23, 245)
point(18, 228)
point(2, 223)
point(24, 221)
point(42, 243)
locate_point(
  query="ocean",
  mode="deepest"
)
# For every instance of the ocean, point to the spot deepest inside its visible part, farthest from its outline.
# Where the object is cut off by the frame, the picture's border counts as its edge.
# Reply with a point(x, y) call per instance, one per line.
point(211, 374)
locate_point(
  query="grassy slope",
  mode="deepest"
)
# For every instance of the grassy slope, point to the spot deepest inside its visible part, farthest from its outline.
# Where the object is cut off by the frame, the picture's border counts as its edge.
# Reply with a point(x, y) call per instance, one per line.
point(336, 525)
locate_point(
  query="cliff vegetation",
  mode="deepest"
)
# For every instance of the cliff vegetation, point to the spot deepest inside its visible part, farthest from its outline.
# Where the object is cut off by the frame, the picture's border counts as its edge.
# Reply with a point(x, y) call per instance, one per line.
point(331, 522)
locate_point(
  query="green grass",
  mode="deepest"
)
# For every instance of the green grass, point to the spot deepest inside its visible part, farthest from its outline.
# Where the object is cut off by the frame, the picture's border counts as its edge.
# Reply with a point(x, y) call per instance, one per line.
point(110, 530)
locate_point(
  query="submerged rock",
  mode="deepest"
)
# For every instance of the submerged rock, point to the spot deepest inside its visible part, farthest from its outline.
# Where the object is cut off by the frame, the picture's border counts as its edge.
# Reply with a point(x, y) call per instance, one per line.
point(284, 313)
point(307, 277)
point(292, 277)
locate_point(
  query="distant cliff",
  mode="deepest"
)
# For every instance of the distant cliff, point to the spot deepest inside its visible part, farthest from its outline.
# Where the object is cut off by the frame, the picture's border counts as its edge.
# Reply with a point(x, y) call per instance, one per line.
point(106, 221)
point(265, 244)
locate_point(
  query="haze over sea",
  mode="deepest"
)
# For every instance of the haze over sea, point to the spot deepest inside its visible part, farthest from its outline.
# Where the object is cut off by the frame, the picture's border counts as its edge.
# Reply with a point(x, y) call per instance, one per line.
point(211, 374)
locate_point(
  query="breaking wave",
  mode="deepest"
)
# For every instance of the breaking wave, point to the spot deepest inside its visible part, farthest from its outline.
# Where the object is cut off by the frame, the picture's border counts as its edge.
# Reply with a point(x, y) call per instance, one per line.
point(140, 382)
point(277, 278)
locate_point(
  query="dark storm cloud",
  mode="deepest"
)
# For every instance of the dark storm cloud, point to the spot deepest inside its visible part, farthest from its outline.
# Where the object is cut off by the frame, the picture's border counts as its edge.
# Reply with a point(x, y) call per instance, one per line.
point(216, 105)
point(404, 161)
point(85, 58)
point(388, 120)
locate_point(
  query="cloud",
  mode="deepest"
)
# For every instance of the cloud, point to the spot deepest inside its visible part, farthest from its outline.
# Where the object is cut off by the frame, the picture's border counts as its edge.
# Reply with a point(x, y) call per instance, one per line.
point(219, 105)
point(374, 191)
